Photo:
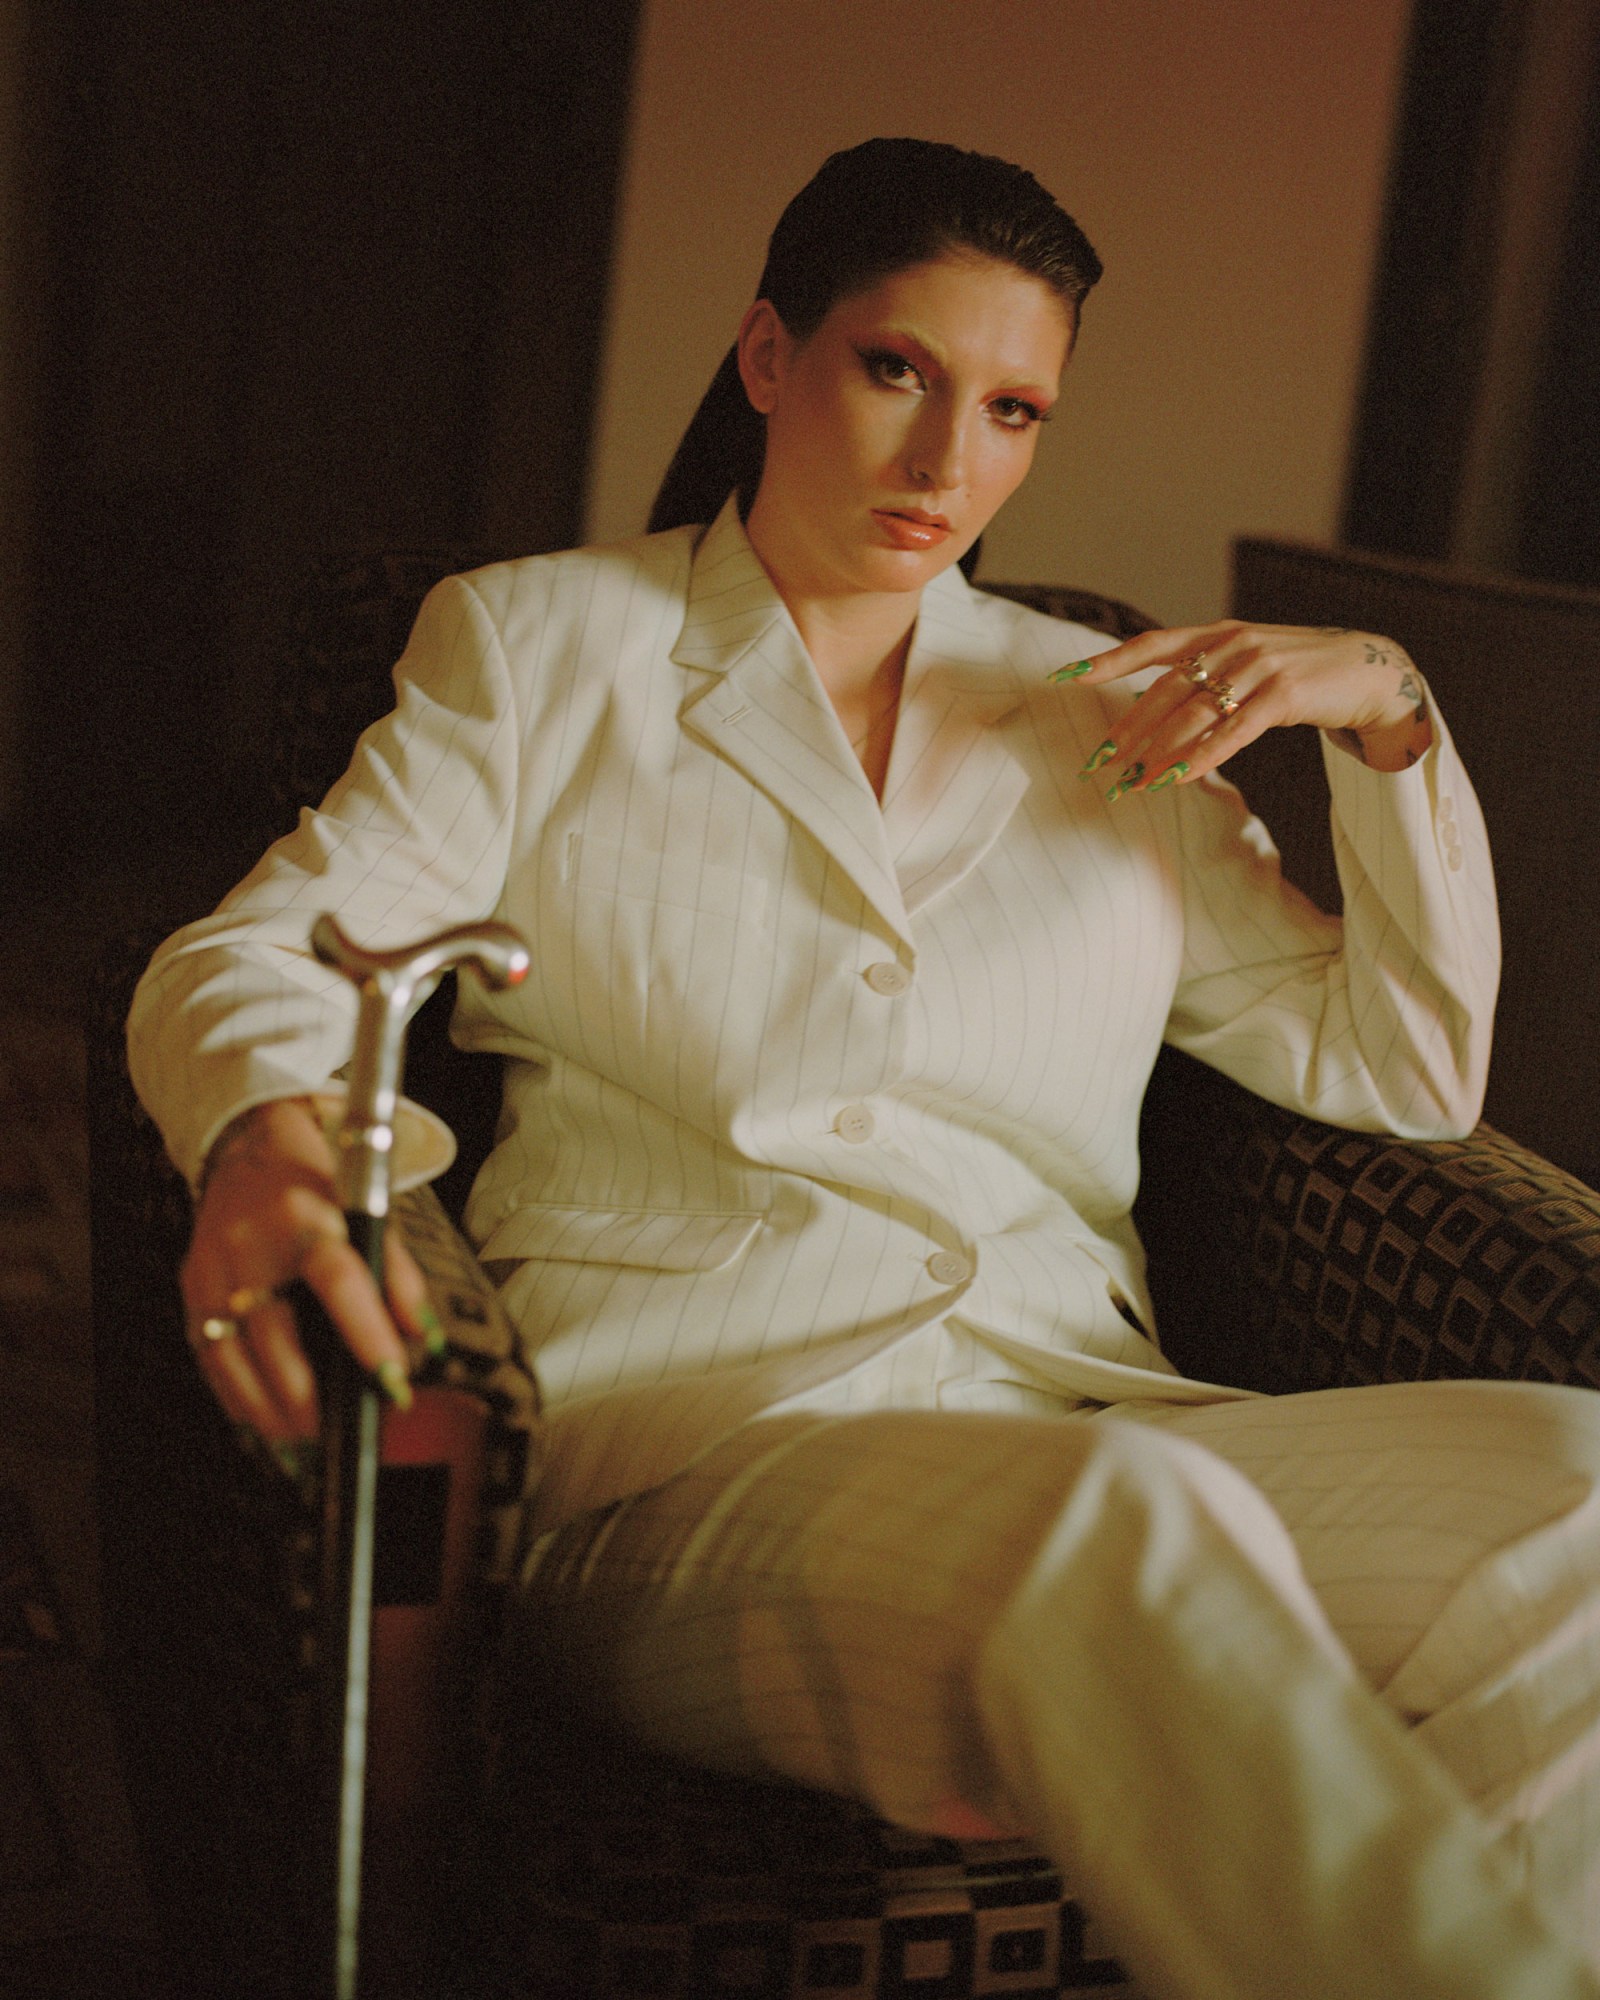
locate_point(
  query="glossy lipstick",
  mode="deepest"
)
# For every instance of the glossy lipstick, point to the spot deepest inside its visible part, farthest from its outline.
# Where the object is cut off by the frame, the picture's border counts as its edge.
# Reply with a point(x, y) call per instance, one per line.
point(912, 529)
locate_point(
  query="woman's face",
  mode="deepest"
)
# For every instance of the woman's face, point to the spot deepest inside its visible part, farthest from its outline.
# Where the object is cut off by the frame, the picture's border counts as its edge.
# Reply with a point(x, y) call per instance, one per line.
point(897, 429)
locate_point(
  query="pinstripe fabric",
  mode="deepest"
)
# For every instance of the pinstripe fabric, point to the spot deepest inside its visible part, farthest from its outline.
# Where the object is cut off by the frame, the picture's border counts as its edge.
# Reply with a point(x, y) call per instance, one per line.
point(1187, 1682)
point(808, 1098)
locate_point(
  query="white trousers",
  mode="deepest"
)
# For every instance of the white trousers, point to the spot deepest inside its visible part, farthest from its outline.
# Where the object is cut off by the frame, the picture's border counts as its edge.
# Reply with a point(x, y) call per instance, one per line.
point(1302, 1694)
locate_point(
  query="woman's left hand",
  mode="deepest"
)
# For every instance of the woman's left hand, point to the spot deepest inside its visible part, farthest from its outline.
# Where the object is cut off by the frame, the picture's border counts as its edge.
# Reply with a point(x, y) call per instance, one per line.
point(1229, 683)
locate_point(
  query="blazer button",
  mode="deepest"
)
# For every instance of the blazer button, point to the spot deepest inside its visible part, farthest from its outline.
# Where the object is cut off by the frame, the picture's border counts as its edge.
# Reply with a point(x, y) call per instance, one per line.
point(888, 978)
point(855, 1123)
point(948, 1267)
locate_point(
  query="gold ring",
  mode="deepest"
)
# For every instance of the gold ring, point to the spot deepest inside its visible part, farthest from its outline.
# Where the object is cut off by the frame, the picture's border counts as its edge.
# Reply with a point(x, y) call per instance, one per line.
point(219, 1327)
point(337, 1231)
point(1193, 668)
point(246, 1299)
point(1222, 695)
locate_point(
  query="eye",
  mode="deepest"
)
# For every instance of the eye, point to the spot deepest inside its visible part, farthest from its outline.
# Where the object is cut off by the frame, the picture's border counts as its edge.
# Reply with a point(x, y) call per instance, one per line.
point(884, 365)
point(1015, 413)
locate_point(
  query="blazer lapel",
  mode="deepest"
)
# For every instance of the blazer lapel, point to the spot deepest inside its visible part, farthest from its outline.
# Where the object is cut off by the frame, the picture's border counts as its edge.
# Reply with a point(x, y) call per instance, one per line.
point(952, 783)
point(765, 710)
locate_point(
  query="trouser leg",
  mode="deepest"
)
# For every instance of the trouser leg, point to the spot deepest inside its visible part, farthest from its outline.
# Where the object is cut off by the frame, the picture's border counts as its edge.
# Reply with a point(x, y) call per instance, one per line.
point(1451, 1532)
point(1098, 1629)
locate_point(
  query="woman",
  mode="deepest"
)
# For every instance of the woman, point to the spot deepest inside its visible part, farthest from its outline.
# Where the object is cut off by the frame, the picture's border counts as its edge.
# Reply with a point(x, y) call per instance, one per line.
point(861, 903)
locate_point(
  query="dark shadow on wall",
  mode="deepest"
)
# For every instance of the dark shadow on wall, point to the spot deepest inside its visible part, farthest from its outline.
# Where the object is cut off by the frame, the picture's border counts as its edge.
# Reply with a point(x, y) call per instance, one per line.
point(1475, 440)
point(1560, 526)
point(312, 276)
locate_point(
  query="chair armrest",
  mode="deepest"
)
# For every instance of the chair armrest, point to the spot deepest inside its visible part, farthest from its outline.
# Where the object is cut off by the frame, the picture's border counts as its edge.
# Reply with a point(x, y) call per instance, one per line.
point(1288, 1254)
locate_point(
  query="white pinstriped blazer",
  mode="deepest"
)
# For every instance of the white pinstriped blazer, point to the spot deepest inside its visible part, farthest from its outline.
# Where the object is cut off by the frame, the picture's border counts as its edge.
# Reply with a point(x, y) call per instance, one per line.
point(798, 1083)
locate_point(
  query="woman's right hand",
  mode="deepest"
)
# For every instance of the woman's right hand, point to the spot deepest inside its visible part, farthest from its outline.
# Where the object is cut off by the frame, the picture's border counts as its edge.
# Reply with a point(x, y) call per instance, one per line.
point(269, 1214)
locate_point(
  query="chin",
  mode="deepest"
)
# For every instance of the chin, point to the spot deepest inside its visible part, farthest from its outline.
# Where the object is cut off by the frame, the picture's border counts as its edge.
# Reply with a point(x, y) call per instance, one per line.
point(908, 569)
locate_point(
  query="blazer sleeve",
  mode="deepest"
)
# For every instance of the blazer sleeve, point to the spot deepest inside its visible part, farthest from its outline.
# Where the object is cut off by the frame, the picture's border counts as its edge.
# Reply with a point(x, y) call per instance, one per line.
point(234, 1010)
point(1382, 1022)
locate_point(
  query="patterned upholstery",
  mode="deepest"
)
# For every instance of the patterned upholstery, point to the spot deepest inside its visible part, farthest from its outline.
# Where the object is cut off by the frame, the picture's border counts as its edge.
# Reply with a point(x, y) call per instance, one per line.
point(1283, 1254)
point(639, 1878)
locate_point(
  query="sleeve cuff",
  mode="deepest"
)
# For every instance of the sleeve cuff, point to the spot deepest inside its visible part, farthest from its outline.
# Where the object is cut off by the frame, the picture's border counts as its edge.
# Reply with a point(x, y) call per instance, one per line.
point(424, 1145)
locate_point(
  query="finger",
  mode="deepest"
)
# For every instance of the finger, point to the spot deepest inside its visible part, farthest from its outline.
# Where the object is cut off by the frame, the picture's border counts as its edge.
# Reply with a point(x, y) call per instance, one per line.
point(227, 1363)
point(1173, 713)
point(1188, 723)
point(1226, 737)
point(271, 1339)
point(407, 1291)
point(350, 1296)
point(230, 1373)
point(1161, 648)
point(1174, 710)
point(260, 1372)
point(230, 1377)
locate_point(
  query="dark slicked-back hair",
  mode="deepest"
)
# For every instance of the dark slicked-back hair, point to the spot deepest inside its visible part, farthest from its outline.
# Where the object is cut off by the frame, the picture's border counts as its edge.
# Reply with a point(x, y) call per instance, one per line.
point(876, 209)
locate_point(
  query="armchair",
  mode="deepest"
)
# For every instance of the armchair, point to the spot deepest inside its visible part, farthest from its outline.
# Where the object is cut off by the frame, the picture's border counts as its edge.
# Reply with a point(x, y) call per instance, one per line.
point(1308, 1256)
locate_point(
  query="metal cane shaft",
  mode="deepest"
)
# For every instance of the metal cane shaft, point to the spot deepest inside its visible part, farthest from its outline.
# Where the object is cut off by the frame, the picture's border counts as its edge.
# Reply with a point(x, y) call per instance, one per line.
point(351, 1429)
point(352, 1409)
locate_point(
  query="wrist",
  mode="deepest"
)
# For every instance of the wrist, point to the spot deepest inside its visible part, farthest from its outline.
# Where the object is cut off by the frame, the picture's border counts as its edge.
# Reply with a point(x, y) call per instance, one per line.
point(1395, 746)
point(1402, 733)
point(280, 1124)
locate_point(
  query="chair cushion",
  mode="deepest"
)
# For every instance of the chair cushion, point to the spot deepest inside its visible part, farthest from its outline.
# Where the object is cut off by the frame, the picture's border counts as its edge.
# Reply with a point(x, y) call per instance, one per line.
point(620, 1876)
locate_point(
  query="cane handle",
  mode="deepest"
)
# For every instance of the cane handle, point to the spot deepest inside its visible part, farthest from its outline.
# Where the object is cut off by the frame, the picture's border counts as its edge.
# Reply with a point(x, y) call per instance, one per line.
point(387, 982)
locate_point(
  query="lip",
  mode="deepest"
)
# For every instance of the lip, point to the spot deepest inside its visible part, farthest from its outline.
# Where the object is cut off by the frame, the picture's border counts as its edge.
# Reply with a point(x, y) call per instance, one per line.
point(912, 527)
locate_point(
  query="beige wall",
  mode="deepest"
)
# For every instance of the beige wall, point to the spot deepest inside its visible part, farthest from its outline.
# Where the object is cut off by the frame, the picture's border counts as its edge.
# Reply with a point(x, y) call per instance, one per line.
point(1226, 157)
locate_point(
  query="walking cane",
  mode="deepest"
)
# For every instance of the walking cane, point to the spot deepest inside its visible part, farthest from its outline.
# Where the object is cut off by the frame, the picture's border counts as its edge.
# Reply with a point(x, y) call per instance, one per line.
point(387, 982)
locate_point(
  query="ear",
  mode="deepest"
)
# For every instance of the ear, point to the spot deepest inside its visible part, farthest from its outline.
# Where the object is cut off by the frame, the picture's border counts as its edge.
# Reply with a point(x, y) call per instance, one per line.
point(763, 347)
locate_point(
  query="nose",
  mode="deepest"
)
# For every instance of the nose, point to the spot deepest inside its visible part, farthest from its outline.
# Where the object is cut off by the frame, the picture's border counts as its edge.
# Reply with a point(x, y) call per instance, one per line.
point(938, 448)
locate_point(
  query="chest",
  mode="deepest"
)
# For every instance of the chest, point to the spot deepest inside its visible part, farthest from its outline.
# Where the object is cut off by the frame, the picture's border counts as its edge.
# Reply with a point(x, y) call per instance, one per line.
point(708, 933)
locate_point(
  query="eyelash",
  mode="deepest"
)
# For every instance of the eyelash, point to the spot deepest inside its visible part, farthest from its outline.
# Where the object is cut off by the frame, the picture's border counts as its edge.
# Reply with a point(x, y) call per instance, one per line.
point(882, 364)
point(1031, 411)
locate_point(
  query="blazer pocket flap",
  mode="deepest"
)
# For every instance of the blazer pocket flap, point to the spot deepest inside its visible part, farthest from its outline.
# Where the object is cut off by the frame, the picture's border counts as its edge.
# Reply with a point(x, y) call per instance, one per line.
point(654, 1239)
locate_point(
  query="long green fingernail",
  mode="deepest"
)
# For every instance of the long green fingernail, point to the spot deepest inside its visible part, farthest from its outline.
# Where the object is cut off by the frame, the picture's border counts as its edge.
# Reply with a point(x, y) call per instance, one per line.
point(434, 1337)
point(1125, 783)
point(1071, 673)
point(1101, 757)
point(392, 1379)
point(1170, 776)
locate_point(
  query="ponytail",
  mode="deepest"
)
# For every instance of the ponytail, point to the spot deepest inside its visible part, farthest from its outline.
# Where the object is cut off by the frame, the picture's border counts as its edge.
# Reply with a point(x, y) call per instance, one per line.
point(720, 453)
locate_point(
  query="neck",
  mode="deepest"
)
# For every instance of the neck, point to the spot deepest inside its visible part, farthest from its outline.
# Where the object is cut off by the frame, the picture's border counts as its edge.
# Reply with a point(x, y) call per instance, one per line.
point(854, 637)
point(855, 642)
